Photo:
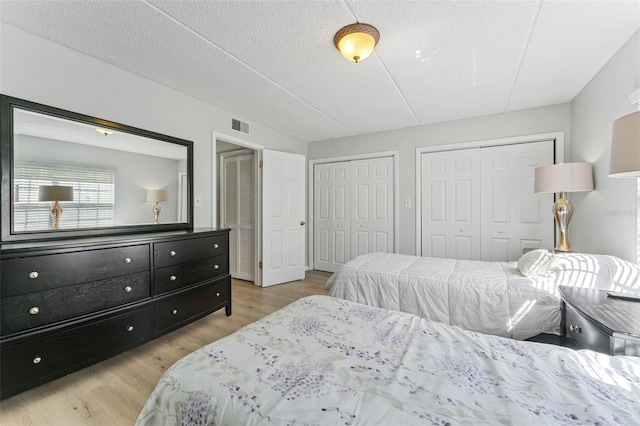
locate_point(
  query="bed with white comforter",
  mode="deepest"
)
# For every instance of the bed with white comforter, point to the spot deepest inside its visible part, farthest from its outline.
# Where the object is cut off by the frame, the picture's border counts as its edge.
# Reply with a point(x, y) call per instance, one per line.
point(487, 297)
point(328, 361)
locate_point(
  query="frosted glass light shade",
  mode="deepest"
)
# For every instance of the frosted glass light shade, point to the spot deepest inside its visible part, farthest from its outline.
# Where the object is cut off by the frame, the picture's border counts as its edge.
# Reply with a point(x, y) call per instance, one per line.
point(563, 177)
point(157, 195)
point(625, 147)
point(55, 193)
point(356, 41)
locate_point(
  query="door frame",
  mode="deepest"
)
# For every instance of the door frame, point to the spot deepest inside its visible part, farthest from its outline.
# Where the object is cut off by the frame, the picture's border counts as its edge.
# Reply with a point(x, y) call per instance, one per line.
point(257, 148)
point(396, 189)
point(557, 137)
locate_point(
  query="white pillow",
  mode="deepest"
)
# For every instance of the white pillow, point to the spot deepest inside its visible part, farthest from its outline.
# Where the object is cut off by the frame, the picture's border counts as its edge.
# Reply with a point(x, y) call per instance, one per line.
point(535, 262)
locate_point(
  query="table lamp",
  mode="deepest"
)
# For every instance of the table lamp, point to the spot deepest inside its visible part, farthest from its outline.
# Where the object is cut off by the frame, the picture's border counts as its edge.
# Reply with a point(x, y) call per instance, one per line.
point(562, 178)
point(55, 193)
point(156, 195)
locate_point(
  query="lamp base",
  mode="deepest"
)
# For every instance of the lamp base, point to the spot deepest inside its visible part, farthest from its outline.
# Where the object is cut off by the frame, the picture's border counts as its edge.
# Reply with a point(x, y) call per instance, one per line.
point(56, 211)
point(562, 211)
point(156, 213)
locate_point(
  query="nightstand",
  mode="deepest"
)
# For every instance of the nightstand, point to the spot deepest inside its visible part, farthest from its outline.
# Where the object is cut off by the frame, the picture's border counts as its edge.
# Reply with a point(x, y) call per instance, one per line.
point(592, 320)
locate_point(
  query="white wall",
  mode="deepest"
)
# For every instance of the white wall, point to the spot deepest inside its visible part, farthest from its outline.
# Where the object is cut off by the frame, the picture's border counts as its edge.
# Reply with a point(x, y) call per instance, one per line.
point(605, 220)
point(38, 70)
point(525, 122)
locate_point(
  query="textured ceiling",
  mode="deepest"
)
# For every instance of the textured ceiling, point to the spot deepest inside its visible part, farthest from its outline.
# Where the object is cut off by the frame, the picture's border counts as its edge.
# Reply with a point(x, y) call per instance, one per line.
point(274, 62)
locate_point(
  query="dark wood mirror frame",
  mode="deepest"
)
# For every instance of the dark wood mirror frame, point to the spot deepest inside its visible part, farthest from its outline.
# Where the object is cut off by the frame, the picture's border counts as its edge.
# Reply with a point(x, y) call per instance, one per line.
point(7, 105)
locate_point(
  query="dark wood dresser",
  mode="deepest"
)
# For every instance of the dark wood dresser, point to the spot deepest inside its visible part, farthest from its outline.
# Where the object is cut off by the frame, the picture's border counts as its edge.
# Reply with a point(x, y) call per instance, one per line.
point(68, 304)
point(593, 320)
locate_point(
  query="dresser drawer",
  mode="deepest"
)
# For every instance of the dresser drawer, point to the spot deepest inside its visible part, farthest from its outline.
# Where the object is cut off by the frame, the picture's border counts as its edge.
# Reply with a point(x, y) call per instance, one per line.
point(37, 273)
point(36, 361)
point(583, 334)
point(175, 311)
point(178, 276)
point(181, 251)
point(45, 307)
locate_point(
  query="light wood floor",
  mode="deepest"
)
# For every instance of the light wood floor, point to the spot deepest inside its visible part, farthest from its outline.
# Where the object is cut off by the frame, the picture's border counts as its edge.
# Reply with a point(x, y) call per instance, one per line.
point(112, 392)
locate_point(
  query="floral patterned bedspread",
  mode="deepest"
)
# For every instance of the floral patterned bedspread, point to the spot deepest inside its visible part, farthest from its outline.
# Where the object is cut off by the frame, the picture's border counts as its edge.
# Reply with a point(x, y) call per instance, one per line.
point(323, 360)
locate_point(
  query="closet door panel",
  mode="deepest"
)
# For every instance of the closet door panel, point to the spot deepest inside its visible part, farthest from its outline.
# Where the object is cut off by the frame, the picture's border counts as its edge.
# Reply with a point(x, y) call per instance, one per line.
point(331, 216)
point(341, 242)
point(451, 204)
point(246, 218)
point(230, 194)
point(513, 216)
point(372, 227)
point(435, 244)
point(239, 214)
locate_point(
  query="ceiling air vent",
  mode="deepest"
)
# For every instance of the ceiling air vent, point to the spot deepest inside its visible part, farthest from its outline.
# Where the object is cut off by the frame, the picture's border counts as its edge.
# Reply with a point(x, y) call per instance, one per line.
point(239, 126)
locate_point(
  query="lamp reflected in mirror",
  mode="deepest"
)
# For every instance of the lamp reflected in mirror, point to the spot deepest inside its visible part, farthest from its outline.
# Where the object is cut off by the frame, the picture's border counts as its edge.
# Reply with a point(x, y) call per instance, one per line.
point(55, 193)
point(156, 195)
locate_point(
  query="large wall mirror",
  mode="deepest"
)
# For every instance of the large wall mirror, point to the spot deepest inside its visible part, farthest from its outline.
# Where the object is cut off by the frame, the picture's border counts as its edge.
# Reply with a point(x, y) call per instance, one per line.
point(67, 175)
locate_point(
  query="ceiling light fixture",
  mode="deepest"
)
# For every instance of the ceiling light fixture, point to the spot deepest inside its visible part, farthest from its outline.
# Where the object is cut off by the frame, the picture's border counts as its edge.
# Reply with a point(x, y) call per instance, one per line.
point(103, 131)
point(356, 41)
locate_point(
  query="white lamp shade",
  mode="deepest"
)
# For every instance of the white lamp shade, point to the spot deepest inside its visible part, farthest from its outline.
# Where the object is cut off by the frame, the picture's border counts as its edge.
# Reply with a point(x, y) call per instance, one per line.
point(563, 177)
point(625, 147)
point(156, 195)
point(55, 193)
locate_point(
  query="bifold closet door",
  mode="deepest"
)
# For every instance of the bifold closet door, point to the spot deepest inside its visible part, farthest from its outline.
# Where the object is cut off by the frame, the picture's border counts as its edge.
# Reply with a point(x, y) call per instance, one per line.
point(372, 200)
point(332, 239)
point(239, 214)
point(353, 210)
point(479, 203)
point(451, 204)
point(513, 216)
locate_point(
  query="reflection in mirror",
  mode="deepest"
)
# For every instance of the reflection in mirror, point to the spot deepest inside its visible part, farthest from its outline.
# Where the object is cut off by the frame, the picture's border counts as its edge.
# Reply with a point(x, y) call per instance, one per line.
point(110, 174)
point(71, 175)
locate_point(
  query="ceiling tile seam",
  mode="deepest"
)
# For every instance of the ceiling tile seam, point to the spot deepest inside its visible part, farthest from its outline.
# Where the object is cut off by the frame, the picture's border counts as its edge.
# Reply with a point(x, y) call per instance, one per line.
point(215, 46)
point(386, 70)
point(395, 85)
point(516, 74)
point(348, 9)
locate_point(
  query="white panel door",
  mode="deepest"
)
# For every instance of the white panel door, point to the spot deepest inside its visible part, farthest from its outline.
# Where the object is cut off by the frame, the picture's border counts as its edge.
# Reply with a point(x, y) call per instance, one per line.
point(331, 216)
point(513, 216)
point(283, 217)
point(372, 201)
point(451, 204)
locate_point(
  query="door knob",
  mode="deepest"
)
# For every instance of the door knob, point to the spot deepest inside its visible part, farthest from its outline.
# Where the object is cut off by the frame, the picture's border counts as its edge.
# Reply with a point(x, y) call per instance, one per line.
point(302, 223)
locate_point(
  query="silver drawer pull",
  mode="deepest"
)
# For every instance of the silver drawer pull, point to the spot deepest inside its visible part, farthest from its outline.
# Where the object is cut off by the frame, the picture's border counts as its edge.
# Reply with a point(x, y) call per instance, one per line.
point(37, 360)
point(130, 328)
point(173, 278)
point(172, 253)
point(216, 266)
point(575, 329)
point(127, 289)
point(34, 310)
point(216, 246)
point(174, 312)
point(33, 274)
point(217, 294)
point(127, 260)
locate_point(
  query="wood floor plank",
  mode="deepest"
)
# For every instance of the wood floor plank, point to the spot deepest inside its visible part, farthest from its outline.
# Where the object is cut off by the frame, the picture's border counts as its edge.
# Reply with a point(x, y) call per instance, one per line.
point(112, 392)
